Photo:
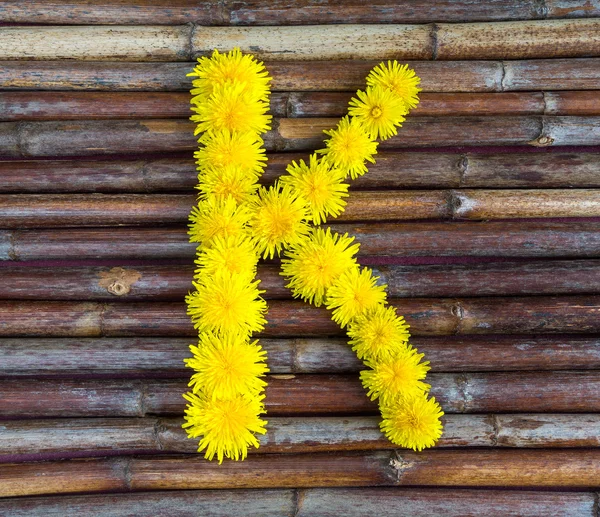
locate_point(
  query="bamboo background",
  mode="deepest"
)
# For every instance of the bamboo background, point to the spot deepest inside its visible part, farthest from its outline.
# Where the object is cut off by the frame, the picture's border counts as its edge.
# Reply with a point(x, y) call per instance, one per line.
point(482, 216)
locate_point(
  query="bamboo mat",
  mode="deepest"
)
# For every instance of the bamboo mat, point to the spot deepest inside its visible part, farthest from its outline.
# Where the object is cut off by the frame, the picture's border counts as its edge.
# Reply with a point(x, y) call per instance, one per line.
point(482, 216)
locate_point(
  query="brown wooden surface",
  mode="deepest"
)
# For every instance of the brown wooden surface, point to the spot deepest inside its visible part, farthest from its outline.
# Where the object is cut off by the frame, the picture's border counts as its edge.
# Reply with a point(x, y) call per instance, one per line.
point(93, 333)
point(116, 105)
point(142, 357)
point(305, 394)
point(329, 502)
point(253, 12)
point(174, 282)
point(436, 76)
point(393, 170)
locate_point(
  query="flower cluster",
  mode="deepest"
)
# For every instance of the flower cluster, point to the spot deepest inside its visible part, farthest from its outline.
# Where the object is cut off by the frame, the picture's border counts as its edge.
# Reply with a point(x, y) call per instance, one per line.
point(225, 404)
point(236, 222)
point(322, 268)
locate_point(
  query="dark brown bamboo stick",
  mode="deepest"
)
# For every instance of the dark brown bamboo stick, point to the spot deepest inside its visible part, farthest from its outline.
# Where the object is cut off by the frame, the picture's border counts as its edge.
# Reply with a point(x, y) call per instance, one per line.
point(174, 282)
point(326, 502)
point(114, 43)
point(144, 357)
point(56, 210)
point(491, 468)
point(91, 437)
point(98, 137)
point(122, 105)
point(436, 76)
point(426, 316)
point(496, 239)
point(257, 13)
point(491, 392)
point(399, 170)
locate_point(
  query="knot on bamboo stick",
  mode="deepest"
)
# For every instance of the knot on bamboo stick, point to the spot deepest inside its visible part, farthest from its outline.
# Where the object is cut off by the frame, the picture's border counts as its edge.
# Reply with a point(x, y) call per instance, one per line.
point(118, 281)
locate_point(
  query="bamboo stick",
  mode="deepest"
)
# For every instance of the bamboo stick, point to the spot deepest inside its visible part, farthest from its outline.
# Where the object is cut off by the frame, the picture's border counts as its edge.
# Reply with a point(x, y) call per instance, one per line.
point(490, 392)
point(325, 502)
point(124, 105)
point(519, 39)
point(98, 137)
point(257, 13)
point(487, 239)
point(426, 316)
point(118, 43)
point(333, 42)
point(393, 170)
point(436, 76)
point(159, 357)
point(56, 210)
point(89, 437)
point(172, 283)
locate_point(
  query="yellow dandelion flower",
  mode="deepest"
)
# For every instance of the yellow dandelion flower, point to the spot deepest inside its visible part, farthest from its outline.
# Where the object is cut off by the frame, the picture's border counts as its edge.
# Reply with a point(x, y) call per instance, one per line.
point(320, 184)
point(413, 422)
point(377, 333)
point(234, 254)
point(230, 181)
point(217, 217)
point(317, 262)
point(349, 147)
point(380, 111)
point(227, 365)
point(225, 148)
point(227, 427)
point(399, 374)
point(230, 109)
point(398, 78)
point(354, 293)
point(227, 302)
point(279, 219)
point(221, 69)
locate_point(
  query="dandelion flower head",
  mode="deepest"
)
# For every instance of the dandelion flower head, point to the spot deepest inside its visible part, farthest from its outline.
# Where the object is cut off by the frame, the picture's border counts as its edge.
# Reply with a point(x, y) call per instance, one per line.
point(317, 262)
point(233, 66)
point(320, 184)
point(354, 293)
point(278, 220)
point(227, 365)
point(230, 181)
point(377, 333)
point(217, 217)
point(234, 254)
point(349, 147)
point(412, 422)
point(224, 148)
point(227, 302)
point(399, 374)
point(399, 79)
point(380, 111)
point(227, 427)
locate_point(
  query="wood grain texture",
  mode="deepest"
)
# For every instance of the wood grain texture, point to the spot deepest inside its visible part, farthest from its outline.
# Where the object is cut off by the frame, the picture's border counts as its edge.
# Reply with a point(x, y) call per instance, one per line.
point(426, 316)
point(519, 39)
point(120, 43)
point(436, 76)
point(92, 437)
point(99, 137)
point(484, 239)
point(393, 170)
point(172, 283)
point(125, 105)
point(252, 12)
point(163, 357)
point(301, 395)
point(326, 502)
